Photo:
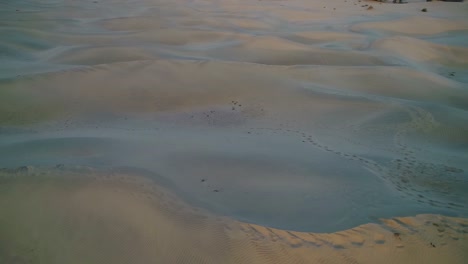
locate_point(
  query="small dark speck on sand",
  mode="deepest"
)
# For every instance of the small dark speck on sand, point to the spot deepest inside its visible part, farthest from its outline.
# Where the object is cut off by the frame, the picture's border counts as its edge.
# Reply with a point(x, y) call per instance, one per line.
point(203, 180)
point(424, 10)
point(216, 190)
point(433, 245)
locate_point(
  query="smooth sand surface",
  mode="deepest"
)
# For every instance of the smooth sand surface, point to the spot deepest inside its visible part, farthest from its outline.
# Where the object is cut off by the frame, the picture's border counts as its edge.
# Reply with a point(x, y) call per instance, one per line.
point(81, 215)
point(340, 123)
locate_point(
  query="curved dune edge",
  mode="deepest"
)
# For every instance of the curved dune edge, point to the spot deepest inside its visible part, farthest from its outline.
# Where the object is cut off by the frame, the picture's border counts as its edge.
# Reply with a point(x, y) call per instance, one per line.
point(169, 85)
point(423, 51)
point(82, 215)
point(414, 25)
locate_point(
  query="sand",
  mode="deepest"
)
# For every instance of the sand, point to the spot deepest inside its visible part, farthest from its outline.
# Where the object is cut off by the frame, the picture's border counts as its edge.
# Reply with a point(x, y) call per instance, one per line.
point(243, 131)
point(77, 215)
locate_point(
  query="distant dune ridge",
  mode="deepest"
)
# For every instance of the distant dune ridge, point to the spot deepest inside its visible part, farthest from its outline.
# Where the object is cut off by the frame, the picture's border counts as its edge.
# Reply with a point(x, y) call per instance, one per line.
point(233, 131)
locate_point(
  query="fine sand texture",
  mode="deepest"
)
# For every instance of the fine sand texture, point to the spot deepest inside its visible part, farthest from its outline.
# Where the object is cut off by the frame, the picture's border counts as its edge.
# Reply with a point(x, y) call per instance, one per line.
point(80, 215)
point(233, 131)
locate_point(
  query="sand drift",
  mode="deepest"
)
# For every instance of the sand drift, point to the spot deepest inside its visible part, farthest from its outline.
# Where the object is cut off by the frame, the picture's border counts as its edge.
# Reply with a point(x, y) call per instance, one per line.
point(231, 131)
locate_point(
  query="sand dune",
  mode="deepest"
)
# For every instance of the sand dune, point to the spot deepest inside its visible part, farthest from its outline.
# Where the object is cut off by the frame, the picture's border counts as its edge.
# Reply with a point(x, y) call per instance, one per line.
point(233, 131)
point(414, 25)
point(424, 51)
point(84, 215)
point(165, 85)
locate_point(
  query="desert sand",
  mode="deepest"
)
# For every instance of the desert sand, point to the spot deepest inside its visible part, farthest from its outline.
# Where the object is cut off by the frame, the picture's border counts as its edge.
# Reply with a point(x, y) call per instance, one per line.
point(233, 131)
point(81, 215)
